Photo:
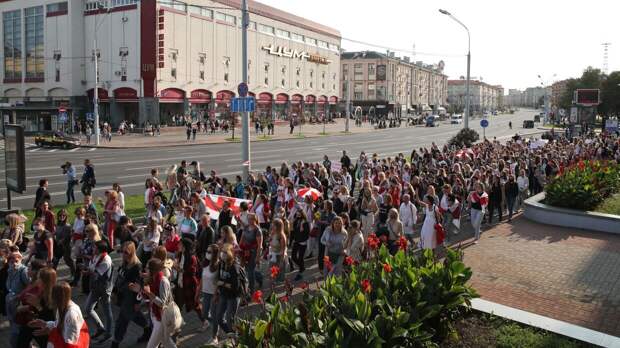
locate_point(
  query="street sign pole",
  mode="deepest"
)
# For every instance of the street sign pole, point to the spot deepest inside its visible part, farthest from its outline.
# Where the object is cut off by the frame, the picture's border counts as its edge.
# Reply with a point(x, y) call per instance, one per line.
point(245, 133)
point(96, 91)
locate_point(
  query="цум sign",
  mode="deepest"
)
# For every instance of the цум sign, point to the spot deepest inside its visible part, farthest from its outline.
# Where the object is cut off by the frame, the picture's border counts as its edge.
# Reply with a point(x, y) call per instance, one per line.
point(282, 51)
point(14, 158)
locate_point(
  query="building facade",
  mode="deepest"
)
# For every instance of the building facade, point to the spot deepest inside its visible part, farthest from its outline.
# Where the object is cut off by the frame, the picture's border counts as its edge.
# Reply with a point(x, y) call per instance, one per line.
point(483, 96)
point(384, 83)
point(159, 59)
point(558, 89)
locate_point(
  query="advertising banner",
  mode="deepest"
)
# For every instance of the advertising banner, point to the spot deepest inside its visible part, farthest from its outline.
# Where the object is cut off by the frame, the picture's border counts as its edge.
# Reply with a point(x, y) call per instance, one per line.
point(14, 158)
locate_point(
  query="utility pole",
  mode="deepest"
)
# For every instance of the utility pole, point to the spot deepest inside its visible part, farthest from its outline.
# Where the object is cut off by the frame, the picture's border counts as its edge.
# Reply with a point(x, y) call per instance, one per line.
point(348, 106)
point(245, 133)
point(96, 91)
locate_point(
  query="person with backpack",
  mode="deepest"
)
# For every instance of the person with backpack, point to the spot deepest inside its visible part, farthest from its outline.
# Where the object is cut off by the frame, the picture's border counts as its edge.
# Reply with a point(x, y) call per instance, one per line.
point(100, 271)
point(231, 286)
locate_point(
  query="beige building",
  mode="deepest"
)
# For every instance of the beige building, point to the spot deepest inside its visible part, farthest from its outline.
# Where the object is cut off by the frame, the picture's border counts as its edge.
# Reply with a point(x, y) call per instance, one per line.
point(483, 96)
point(157, 59)
point(386, 83)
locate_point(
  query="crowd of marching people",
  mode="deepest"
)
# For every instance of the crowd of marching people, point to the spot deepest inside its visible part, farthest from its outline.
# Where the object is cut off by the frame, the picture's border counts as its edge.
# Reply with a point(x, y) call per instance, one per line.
point(206, 240)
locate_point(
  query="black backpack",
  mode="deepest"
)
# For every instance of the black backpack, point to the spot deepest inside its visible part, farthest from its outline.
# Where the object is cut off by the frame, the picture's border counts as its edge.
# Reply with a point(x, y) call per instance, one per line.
point(243, 285)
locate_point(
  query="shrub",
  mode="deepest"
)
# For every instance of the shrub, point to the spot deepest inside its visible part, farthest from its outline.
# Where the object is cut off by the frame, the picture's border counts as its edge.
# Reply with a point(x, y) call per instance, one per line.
point(390, 301)
point(584, 186)
point(465, 137)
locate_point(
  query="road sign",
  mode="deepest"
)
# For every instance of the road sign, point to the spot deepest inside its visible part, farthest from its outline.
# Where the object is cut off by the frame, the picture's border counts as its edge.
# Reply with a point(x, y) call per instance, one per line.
point(243, 89)
point(484, 123)
point(62, 117)
point(242, 104)
point(90, 116)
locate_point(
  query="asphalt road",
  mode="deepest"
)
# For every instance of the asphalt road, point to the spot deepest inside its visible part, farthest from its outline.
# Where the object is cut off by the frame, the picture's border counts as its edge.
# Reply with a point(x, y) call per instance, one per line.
point(130, 167)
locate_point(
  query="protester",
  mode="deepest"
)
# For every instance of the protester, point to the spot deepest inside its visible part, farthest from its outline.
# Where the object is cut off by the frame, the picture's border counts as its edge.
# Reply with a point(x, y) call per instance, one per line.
point(299, 239)
point(208, 284)
point(71, 175)
point(186, 265)
point(36, 304)
point(63, 236)
point(14, 230)
point(88, 178)
point(409, 216)
point(251, 246)
point(428, 235)
point(100, 273)
point(355, 242)
point(278, 255)
point(228, 293)
point(334, 241)
point(395, 229)
point(43, 248)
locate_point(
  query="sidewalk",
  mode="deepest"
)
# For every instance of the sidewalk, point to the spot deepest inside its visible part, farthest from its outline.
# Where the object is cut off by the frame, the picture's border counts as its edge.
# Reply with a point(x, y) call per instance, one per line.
point(176, 136)
point(565, 274)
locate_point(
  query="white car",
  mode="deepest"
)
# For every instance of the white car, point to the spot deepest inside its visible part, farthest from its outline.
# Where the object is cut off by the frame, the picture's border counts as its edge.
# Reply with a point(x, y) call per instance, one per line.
point(456, 119)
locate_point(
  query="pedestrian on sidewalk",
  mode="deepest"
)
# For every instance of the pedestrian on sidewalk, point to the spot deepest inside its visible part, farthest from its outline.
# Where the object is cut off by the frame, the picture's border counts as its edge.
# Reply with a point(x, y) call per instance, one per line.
point(194, 130)
point(292, 125)
point(188, 131)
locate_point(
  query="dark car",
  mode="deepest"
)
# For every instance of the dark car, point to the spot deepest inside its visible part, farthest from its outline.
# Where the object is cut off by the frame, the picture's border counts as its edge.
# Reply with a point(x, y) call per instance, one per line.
point(56, 138)
point(528, 124)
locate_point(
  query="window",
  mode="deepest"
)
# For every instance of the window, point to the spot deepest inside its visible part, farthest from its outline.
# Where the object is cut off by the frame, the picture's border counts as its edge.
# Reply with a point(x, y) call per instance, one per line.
point(380, 92)
point(334, 47)
point(12, 44)
point(115, 3)
point(57, 7)
point(345, 70)
point(310, 41)
point(226, 18)
point(358, 71)
point(283, 83)
point(358, 91)
point(323, 44)
point(173, 73)
point(266, 29)
point(371, 71)
point(252, 25)
point(266, 81)
point(371, 91)
point(178, 5)
point(297, 37)
point(35, 54)
point(204, 12)
point(226, 77)
point(283, 33)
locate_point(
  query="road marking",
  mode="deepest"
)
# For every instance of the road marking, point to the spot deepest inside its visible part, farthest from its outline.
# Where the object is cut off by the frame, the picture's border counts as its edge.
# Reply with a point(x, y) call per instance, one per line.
point(93, 149)
point(35, 150)
point(73, 150)
point(53, 150)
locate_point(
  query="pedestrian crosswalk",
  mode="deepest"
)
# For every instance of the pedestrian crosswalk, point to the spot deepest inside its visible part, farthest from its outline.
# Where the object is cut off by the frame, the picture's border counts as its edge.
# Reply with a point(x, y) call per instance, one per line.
point(34, 148)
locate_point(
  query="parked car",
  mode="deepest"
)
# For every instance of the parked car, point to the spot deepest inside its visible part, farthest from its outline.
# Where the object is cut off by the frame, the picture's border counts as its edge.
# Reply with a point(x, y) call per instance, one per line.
point(56, 138)
point(432, 121)
point(536, 118)
point(528, 124)
point(456, 119)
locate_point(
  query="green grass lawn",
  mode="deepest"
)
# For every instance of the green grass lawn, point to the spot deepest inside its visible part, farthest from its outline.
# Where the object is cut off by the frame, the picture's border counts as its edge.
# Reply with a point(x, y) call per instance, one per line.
point(134, 208)
point(610, 206)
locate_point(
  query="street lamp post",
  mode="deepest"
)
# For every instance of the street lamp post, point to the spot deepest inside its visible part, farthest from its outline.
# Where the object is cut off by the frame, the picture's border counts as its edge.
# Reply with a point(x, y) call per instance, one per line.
point(467, 99)
point(245, 132)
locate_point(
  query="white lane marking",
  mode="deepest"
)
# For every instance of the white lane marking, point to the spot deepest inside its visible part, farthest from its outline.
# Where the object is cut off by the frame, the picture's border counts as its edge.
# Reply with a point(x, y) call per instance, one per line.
point(73, 150)
point(35, 150)
point(54, 150)
point(93, 149)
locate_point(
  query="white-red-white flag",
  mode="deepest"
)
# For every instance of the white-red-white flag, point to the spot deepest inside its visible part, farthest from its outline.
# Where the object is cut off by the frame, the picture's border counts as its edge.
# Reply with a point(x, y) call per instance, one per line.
point(215, 203)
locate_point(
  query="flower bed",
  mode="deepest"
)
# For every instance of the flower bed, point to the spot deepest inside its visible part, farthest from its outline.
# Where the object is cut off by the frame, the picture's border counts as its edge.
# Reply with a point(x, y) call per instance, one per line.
point(389, 301)
point(584, 186)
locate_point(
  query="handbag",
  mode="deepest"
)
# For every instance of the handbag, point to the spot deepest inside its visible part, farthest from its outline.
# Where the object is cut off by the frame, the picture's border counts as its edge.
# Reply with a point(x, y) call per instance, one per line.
point(171, 318)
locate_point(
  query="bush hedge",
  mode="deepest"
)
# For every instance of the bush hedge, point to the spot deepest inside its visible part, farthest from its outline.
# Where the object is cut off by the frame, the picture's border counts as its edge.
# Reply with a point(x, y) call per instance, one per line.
point(465, 137)
point(584, 186)
point(390, 301)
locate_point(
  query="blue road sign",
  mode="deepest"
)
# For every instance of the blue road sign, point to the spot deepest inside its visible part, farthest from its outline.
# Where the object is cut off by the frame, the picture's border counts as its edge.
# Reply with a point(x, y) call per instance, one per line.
point(62, 117)
point(484, 123)
point(90, 116)
point(243, 89)
point(243, 104)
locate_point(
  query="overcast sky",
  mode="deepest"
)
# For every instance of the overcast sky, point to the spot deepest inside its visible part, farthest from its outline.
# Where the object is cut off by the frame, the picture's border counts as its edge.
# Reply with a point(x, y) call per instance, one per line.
point(512, 42)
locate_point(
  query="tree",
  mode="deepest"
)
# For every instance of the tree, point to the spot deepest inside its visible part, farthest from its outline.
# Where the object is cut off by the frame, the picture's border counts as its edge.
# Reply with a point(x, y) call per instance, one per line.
point(610, 95)
point(591, 78)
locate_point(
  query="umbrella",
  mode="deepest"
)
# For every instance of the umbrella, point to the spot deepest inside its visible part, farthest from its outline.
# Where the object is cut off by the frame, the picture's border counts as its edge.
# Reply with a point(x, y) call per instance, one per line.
point(308, 191)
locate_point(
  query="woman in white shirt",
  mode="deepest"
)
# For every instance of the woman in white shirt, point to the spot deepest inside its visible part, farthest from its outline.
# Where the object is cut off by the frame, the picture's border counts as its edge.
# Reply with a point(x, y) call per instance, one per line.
point(152, 234)
point(70, 329)
point(208, 284)
point(355, 242)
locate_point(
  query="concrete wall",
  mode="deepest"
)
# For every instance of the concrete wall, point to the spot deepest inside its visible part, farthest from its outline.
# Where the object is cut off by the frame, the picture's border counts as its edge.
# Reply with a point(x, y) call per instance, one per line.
point(546, 214)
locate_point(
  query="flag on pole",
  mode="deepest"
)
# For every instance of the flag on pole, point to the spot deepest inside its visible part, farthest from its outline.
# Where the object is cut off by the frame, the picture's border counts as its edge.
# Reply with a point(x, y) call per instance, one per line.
point(215, 203)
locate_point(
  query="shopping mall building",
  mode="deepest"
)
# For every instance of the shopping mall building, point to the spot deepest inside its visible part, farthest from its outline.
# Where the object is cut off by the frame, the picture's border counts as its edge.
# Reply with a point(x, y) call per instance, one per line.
point(158, 59)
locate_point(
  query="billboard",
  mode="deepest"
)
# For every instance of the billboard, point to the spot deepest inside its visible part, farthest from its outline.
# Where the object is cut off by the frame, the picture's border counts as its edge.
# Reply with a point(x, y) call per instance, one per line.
point(587, 97)
point(381, 72)
point(14, 158)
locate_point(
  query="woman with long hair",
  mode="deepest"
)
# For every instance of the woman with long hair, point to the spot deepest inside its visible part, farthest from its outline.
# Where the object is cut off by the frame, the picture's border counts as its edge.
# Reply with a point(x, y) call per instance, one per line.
point(395, 230)
point(208, 284)
point(14, 230)
point(63, 234)
point(368, 209)
point(228, 295)
point(152, 234)
point(355, 242)
point(69, 329)
point(121, 196)
point(334, 239)
point(36, 303)
point(299, 237)
point(158, 291)
point(112, 214)
point(126, 299)
point(428, 234)
point(278, 247)
point(186, 266)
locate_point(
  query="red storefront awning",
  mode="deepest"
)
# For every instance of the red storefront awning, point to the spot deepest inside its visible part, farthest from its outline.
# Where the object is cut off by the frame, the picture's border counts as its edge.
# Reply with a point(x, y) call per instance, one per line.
point(200, 96)
point(297, 99)
point(333, 99)
point(102, 94)
point(172, 95)
point(310, 99)
point(126, 95)
point(265, 98)
point(224, 96)
point(282, 98)
point(322, 99)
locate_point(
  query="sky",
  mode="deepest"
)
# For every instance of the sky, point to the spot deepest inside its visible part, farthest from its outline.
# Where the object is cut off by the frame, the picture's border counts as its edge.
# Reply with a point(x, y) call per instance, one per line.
point(512, 42)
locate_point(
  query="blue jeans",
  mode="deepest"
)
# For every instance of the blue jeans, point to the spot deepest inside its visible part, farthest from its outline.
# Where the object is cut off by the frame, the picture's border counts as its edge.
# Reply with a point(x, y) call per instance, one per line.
point(207, 309)
point(225, 307)
point(106, 306)
point(476, 221)
point(70, 194)
point(253, 275)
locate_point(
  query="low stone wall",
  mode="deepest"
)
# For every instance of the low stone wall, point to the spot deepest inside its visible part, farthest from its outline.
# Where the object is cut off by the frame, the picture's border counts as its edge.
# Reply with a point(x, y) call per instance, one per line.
point(542, 213)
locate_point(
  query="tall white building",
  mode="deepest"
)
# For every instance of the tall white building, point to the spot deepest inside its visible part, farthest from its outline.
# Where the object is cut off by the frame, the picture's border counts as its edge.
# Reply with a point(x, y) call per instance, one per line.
point(157, 59)
point(483, 96)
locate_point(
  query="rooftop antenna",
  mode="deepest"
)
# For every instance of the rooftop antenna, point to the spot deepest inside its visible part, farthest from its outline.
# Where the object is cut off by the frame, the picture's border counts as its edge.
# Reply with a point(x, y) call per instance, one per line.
point(606, 56)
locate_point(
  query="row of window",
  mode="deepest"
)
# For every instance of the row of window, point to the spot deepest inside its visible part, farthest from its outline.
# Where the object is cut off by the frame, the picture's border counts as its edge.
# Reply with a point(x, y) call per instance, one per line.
point(34, 46)
point(265, 29)
point(97, 4)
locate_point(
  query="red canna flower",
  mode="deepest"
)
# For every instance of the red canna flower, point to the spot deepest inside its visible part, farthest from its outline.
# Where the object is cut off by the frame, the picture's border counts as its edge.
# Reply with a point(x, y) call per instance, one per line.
point(284, 298)
point(257, 296)
point(387, 267)
point(581, 165)
point(275, 270)
point(303, 286)
point(373, 241)
point(402, 243)
point(366, 286)
point(348, 261)
point(328, 264)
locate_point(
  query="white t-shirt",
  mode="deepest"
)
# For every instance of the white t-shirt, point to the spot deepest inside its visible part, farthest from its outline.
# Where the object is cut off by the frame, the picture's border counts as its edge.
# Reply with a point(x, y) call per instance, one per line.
point(78, 226)
point(73, 322)
point(209, 281)
point(152, 239)
point(101, 267)
point(259, 214)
